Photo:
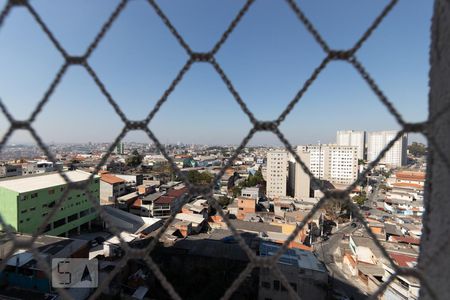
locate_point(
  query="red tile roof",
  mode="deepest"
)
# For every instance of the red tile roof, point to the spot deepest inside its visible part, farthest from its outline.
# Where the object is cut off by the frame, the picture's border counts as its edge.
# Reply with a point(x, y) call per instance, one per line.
point(177, 193)
point(410, 175)
point(403, 260)
point(164, 200)
point(137, 204)
point(406, 239)
point(406, 184)
point(111, 179)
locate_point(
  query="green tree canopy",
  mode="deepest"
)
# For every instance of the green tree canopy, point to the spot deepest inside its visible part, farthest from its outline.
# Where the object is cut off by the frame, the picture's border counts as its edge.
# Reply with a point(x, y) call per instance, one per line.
point(134, 160)
point(359, 199)
point(200, 178)
point(417, 149)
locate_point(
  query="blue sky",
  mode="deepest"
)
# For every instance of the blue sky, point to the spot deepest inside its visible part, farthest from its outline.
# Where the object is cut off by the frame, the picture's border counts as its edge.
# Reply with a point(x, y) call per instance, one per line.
point(268, 57)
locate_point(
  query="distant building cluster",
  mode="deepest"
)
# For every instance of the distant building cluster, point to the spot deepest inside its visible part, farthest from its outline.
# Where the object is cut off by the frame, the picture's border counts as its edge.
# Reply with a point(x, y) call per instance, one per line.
point(264, 193)
point(369, 145)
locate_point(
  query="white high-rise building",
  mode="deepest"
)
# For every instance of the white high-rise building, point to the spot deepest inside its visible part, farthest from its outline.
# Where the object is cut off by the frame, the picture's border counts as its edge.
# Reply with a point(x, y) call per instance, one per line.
point(277, 172)
point(395, 156)
point(352, 138)
point(337, 164)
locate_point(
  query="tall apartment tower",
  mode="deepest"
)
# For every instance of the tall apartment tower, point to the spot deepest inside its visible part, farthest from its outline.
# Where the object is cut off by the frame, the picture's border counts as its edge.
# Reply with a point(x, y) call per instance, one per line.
point(352, 138)
point(120, 148)
point(302, 180)
point(337, 164)
point(377, 141)
point(277, 172)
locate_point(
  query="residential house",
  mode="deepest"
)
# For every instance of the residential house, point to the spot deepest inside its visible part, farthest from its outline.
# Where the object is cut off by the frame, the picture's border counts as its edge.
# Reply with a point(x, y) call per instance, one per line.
point(111, 187)
point(402, 287)
point(245, 206)
point(169, 203)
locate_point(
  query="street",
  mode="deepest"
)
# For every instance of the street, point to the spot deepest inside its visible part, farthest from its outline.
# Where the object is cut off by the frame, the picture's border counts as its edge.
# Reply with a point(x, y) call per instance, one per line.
point(324, 252)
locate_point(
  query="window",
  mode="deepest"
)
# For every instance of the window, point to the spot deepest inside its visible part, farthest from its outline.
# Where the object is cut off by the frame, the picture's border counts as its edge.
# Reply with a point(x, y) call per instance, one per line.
point(276, 285)
point(51, 192)
point(59, 223)
point(33, 209)
point(72, 217)
point(34, 195)
point(265, 284)
point(23, 211)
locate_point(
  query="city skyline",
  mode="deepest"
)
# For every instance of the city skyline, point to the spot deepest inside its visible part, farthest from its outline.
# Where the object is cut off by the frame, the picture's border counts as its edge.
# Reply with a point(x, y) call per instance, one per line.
point(267, 64)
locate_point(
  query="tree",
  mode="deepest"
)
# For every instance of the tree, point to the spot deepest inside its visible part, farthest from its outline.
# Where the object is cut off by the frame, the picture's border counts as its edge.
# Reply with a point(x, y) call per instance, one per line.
point(417, 149)
point(197, 178)
point(359, 199)
point(223, 200)
point(250, 181)
point(134, 160)
point(335, 206)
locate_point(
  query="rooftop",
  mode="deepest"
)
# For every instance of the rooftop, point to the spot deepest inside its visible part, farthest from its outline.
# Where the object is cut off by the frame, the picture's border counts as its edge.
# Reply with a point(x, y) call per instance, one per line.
point(255, 226)
point(410, 175)
point(295, 257)
point(407, 185)
point(177, 192)
point(50, 246)
point(164, 200)
point(152, 197)
point(44, 181)
point(111, 179)
point(404, 260)
point(406, 240)
point(193, 218)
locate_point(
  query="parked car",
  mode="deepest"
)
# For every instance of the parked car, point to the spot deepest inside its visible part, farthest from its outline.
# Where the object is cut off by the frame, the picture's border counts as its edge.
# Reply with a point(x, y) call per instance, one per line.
point(354, 225)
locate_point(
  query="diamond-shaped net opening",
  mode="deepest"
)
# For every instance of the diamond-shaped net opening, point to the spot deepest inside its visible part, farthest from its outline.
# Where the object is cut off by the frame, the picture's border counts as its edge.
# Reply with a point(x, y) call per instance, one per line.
point(147, 253)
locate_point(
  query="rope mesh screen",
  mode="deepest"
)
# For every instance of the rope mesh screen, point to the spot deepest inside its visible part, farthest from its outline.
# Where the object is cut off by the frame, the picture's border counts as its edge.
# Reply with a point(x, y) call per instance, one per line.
point(346, 55)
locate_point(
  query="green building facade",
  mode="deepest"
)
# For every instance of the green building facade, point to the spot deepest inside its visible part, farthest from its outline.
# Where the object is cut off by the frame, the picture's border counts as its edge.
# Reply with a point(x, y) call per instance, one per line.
point(26, 201)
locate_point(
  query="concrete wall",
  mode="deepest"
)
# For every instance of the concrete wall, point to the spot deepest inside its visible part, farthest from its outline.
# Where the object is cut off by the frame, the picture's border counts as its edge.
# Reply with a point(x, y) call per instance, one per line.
point(8, 207)
point(106, 191)
point(434, 260)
